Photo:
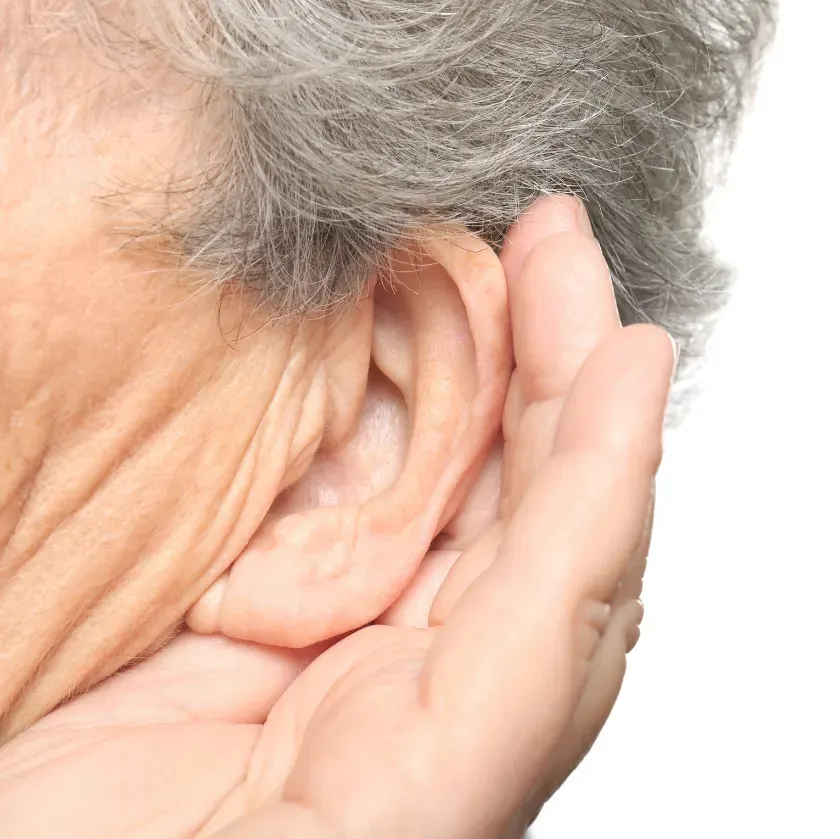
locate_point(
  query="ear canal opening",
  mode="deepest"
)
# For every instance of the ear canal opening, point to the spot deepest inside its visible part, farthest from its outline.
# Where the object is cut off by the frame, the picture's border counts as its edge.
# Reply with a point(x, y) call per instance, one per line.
point(367, 462)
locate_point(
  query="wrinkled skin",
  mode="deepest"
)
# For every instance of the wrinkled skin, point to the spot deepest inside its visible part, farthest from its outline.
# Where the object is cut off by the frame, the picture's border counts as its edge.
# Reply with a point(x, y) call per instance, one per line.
point(486, 678)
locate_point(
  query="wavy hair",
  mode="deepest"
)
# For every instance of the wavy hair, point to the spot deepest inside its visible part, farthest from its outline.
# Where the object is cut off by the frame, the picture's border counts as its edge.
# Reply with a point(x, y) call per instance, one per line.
point(350, 124)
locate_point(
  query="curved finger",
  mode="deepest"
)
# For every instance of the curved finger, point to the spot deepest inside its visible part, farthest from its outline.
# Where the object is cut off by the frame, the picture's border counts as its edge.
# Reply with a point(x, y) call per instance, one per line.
point(562, 307)
point(630, 586)
point(598, 695)
point(611, 641)
point(548, 216)
point(559, 292)
point(507, 668)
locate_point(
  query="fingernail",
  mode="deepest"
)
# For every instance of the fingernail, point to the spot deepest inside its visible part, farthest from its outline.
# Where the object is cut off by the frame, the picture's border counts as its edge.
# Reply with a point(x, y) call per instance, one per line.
point(583, 219)
point(569, 215)
point(675, 348)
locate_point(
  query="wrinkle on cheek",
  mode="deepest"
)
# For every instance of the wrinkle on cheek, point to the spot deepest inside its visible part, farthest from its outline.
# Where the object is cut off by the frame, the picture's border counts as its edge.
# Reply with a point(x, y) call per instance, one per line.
point(144, 430)
point(147, 466)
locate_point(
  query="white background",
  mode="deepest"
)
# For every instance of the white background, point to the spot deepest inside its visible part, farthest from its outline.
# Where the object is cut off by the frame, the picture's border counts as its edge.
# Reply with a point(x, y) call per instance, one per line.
point(728, 722)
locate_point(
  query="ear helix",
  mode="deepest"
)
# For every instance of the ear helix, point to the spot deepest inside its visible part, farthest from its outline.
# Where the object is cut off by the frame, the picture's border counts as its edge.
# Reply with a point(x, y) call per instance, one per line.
point(445, 345)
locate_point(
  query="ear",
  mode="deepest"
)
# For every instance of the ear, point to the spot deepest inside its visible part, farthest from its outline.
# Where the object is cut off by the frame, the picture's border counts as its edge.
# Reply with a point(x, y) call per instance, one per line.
point(340, 546)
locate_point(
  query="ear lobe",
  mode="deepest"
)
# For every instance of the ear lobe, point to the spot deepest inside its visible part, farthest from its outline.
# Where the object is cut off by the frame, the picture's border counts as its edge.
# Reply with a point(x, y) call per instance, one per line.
point(346, 541)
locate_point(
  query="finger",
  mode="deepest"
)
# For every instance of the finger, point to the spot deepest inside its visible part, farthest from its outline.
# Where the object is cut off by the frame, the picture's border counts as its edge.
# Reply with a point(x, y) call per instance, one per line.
point(470, 566)
point(600, 690)
point(507, 668)
point(561, 301)
point(547, 216)
point(562, 307)
point(413, 606)
point(610, 641)
point(630, 586)
point(479, 509)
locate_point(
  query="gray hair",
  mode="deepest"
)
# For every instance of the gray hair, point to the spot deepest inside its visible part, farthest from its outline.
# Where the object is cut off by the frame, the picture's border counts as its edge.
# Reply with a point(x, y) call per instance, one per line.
point(351, 124)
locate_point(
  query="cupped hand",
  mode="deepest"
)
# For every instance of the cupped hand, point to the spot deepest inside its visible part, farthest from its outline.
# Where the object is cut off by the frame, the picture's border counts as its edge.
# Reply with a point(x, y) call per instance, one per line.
point(459, 726)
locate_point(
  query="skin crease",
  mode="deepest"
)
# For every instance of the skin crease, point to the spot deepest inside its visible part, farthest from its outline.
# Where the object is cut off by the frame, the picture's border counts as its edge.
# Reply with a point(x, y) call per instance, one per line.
point(162, 456)
point(124, 389)
point(151, 430)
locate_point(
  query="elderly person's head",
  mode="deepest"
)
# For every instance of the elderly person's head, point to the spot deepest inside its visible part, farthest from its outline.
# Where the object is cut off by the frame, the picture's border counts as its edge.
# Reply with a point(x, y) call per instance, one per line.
point(253, 328)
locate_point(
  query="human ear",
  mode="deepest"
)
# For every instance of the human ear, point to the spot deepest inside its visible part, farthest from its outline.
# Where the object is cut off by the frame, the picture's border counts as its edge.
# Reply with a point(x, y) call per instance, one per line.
point(339, 546)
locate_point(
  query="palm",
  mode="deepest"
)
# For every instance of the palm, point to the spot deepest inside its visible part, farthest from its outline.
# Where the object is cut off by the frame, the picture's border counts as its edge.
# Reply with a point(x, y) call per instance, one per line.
point(207, 729)
point(213, 724)
point(152, 751)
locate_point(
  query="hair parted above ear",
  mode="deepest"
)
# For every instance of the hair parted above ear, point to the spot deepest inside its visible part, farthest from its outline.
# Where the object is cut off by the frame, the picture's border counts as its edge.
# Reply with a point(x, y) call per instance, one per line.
point(350, 123)
point(342, 544)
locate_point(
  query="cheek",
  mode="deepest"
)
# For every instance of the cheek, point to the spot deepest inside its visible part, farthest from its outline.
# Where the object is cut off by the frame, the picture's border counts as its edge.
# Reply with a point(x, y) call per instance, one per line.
point(132, 433)
point(144, 430)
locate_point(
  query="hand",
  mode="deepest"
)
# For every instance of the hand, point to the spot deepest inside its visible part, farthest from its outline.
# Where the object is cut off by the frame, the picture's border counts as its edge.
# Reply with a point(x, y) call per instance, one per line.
point(460, 729)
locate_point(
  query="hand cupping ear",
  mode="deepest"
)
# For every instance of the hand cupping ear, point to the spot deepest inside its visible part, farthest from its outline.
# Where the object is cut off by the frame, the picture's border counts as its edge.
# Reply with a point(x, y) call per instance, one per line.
point(466, 727)
point(463, 728)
